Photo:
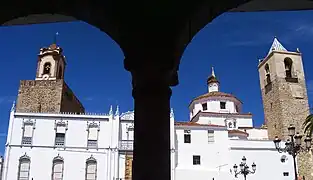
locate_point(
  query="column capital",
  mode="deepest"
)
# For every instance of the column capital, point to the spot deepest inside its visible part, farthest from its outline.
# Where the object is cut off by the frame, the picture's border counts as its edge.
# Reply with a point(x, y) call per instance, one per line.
point(151, 83)
point(153, 68)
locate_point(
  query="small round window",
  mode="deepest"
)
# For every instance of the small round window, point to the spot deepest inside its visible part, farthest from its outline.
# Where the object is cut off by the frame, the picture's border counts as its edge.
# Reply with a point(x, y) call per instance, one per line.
point(283, 158)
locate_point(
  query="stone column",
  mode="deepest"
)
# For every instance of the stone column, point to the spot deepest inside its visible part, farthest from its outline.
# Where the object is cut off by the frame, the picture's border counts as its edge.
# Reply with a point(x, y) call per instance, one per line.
point(152, 94)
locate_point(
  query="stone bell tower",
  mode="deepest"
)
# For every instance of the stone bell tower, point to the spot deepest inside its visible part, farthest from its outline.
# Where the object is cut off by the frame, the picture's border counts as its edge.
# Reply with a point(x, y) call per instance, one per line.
point(48, 92)
point(284, 96)
point(284, 93)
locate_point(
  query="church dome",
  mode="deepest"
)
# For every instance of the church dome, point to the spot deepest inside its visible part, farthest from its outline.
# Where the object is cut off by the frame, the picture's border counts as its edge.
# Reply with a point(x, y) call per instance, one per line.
point(214, 100)
point(216, 95)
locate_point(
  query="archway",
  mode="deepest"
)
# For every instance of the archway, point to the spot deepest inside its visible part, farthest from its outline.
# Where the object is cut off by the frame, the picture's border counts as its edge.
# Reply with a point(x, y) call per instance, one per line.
point(152, 50)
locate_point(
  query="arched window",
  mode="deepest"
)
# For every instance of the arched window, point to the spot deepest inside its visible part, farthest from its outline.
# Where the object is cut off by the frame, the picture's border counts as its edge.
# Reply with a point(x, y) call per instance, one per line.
point(24, 167)
point(46, 68)
point(230, 124)
point(267, 68)
point(91, 168)
point(267, 72)
point(57, 168)
point(288, 67)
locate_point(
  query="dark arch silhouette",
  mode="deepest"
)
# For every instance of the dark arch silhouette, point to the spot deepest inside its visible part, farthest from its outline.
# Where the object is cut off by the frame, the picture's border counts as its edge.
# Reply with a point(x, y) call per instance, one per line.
point(153, 37)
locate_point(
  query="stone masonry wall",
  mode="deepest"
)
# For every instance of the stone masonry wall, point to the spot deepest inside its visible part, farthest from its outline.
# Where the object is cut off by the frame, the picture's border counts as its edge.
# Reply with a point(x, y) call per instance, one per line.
point(47, 96)
point(39, 96)
point(282, 108)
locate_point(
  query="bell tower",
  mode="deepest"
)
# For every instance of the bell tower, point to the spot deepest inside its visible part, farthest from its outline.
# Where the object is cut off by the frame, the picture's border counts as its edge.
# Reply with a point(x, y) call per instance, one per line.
point(51, 63)
point(48, 93)
point(283, 87)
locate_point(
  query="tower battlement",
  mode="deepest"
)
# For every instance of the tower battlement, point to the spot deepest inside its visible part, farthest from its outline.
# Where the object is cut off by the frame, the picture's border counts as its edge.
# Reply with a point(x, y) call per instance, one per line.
point(47, 96)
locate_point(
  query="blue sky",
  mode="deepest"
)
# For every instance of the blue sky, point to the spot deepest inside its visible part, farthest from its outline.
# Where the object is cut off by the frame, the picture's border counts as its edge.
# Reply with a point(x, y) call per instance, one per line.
point(232, 43)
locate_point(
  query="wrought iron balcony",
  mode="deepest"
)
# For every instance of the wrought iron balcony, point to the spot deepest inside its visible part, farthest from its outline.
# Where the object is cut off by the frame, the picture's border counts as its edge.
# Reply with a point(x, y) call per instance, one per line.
point(126, 145)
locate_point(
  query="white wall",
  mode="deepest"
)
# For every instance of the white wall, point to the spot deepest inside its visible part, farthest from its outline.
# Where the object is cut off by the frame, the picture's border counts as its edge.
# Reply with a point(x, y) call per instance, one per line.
point(240, 121)
point(213, 154)
point(75, 153)
point(214, 106)
point(265, 156)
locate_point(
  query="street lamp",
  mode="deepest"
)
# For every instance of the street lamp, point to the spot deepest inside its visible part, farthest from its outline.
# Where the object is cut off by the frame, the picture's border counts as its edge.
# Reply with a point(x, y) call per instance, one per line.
point(244, 168)
point(293, 145)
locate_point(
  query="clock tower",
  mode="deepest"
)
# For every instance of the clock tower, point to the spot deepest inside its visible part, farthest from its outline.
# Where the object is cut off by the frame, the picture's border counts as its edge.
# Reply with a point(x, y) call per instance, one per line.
point(48, 93)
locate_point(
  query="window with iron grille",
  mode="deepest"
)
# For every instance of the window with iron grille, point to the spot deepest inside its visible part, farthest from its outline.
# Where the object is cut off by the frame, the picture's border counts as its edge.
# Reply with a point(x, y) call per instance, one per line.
point(93, 130)
point(92, 143)
point(59, 139)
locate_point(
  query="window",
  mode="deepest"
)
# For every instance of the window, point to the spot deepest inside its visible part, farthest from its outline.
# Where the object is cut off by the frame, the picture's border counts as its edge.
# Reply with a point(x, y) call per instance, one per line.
point(210, 136)
point(222, 105)
point(267, 68)
point(196, 160)
point(283, 158)
point(57, 168)
point(288, 67)
point(187, 136)
point(93, 130)
point(285, 173)
point(205, 106)
point(46, 68)
point(24, 168)
point(91, 169)
point(59, 139)
point(28, 129)
point(61, 128)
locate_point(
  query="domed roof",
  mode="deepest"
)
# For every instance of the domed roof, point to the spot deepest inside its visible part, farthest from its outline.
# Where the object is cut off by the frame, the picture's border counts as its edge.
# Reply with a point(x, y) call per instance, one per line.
point(215, 94)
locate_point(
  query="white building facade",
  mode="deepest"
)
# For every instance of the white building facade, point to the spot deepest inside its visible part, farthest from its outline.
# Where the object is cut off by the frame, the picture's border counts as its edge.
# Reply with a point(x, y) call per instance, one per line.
point(82, 146)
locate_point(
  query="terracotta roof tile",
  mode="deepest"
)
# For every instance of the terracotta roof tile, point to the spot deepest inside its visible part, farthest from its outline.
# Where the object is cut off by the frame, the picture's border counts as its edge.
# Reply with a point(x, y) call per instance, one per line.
point(235, 131)
point(215, 94)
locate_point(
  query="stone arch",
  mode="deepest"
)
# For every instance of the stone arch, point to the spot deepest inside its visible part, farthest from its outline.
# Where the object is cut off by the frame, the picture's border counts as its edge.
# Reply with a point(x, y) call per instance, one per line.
point(47, 68)
point(288, 67)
